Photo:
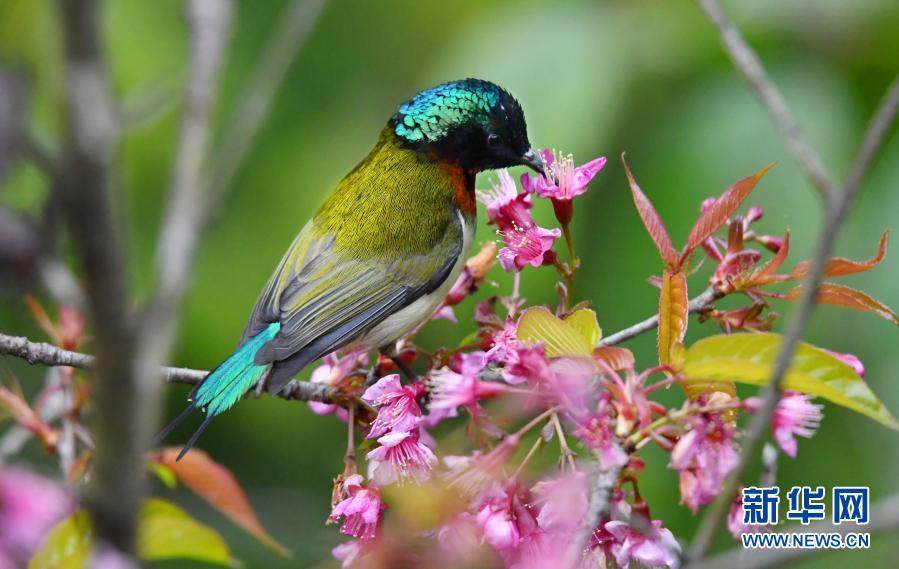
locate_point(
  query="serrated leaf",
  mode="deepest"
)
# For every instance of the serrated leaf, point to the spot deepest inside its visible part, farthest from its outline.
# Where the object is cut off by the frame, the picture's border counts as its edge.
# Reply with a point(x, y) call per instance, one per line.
point(215, 484)
point(673, 314)
point(749, 358)
point(651, 220)
point(584, 321)
point(839, 266)
point(726, 204)
point(537, 324)
point(848, 297)
point(165, 531)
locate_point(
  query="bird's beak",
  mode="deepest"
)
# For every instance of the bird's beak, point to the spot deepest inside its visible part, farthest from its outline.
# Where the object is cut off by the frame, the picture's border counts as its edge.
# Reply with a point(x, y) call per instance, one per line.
point(532, 160)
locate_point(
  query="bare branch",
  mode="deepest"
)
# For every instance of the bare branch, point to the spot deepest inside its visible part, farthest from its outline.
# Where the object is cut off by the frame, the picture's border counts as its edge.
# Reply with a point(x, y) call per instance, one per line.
point(85, 191)
point(699, 304)
point(41, 353)
point(210, 24)
point(747, 63)
point(884, 518)
point(296, 23)
point(602, 485)
point(837, 208)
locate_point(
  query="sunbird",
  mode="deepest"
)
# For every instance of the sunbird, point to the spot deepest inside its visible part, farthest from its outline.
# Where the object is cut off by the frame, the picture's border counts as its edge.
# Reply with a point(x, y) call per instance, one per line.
point(381, 253)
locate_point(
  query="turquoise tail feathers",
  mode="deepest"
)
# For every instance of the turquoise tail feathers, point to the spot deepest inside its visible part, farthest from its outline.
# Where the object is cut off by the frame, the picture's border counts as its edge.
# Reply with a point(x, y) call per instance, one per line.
point(225, 385)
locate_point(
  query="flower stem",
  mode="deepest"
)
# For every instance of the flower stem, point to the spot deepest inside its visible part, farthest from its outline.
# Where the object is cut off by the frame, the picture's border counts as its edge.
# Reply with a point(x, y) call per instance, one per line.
point(567, 453)
point(535, 421)
point(349, 458)
point(533, 450)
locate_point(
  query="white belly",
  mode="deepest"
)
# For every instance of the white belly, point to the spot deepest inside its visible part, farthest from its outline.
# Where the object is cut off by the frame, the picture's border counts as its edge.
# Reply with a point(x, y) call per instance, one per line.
point(404, 321)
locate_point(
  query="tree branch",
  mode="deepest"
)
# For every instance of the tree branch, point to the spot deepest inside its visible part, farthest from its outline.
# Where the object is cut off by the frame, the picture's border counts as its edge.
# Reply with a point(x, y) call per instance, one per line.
point(41, 353)
point(838, 204)
point(85, 191)
point(296, 22)
point(884, 518)
point(747, 63)
point(697, 304)
point(601, 488)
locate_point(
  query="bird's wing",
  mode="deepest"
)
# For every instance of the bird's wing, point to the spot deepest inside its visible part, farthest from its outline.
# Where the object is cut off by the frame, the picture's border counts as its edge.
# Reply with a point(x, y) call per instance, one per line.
point(324, 299)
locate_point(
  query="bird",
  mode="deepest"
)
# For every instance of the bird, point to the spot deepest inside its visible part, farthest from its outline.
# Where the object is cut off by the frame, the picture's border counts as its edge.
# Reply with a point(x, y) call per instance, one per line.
point(383, 250)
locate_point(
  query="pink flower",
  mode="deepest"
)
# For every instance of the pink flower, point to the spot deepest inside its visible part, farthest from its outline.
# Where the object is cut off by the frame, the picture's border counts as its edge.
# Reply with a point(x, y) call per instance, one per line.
point(29, 507)
point(596, 433)
point(566, 181)
point(563, 502)
point(401, 456)
point(503, 519)
point(505, 206)
point(526, 363)
point(362, 509)
point(332, 371)
point(504, 341)
point(795, 414)
point(348, 553)
point(705, 455)
point(735, 519)
point(397, 405)
point(526, 245)
point(655, 548)
point(850, 360)
point(450, 389)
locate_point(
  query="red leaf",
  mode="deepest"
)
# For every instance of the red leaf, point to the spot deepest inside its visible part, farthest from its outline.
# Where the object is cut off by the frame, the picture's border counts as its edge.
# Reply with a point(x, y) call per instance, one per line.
point(673, 314)
point(14, 403)
point(215, 484)
point(840, 295)
point(712, 218)
point(840, 266)
point(616, 357)
point(652, 221)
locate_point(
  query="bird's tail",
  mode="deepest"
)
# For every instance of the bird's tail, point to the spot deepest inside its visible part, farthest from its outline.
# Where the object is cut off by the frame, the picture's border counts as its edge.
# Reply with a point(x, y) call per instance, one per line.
point(225, 385)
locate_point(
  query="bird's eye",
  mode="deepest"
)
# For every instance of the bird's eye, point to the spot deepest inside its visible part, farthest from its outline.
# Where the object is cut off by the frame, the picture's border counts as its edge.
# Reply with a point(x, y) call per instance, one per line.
point(494, 140)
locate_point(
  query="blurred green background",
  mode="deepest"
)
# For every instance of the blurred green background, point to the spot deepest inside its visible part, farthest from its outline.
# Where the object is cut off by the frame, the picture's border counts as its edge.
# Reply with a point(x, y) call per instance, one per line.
point(648, 78)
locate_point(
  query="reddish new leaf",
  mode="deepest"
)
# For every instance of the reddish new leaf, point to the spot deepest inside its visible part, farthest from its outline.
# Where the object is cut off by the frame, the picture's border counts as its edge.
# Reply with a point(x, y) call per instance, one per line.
point(840, 295)
point(840, 266)
point(673, 314)
point(652, 221)
point(712, 218)
point(13, 402)
point(215, 484)
point(615, 357)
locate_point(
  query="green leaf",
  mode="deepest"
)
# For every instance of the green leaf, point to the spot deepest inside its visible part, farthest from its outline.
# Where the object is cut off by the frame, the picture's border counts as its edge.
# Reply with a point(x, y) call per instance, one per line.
point(165, 531)
point(67, 546)
point(749, 358)
point(560, 338)
point(584, 321)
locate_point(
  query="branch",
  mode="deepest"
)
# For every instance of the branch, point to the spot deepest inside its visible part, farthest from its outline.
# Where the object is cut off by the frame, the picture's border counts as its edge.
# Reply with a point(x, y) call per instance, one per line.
point(598, 509)
point(296, 22)
point(85, 191)
point(698, 304)
point(884, 518)
point(41, 353)
point(747, 63)
point(837, 208)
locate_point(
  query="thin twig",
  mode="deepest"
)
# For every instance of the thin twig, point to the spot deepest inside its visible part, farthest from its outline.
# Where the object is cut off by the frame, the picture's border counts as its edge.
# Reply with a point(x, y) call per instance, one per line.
point(884, 518)
point(40, 353)
point(747, 63)
point(837, 208)
point(297, 21)
point(179, 237)
point(699, 304)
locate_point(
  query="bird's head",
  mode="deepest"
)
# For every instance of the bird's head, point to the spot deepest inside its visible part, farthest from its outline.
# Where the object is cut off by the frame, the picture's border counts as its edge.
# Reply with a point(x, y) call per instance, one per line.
point(473, 123)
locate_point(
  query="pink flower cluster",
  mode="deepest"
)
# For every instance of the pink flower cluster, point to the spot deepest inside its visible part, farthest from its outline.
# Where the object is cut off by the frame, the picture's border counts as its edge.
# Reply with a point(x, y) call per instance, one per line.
point(29, 507)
